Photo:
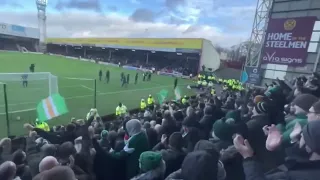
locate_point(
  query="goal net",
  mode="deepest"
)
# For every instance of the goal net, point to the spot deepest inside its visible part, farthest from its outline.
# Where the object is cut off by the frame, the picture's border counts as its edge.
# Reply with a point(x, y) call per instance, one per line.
point(25, 90)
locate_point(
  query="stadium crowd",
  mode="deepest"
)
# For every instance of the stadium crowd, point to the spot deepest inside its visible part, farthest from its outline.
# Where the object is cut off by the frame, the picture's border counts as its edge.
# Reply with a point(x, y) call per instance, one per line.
point(256, 134)
point(160, 61)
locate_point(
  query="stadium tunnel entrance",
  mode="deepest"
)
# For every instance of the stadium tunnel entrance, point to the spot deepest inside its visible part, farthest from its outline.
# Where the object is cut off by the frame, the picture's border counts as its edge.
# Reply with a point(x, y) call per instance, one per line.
point(186, 63)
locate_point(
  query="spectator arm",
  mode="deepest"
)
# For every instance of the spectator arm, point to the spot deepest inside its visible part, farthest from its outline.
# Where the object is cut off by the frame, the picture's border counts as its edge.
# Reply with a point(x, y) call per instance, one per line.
point(158, 147)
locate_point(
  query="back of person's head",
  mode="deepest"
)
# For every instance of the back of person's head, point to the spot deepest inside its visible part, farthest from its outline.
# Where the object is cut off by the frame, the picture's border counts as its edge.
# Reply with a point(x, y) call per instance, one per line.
point(70, 127)
point(153, 123)
point(178, 116)
point(65, 150)
point(261, 108)
point(19, 157)
point(112, 136)
point(199, 165)
point(48, 163)
point(7, 170)
point(176, 140)
point(149, 160)
point(146, 125)
point(158, 128)
point(190, 111)
point(59, 173)
point(205, 145)
point(190, 121)
point(314, 112)
point(133, 127)
point(303, 102)
point(208, 110)
point(49, 149)
point(311, 136)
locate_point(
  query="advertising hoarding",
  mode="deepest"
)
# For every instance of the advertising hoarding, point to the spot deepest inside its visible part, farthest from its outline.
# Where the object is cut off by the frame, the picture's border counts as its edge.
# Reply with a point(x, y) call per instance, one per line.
point(133, 42)
point(251, 75)
point(287, 40)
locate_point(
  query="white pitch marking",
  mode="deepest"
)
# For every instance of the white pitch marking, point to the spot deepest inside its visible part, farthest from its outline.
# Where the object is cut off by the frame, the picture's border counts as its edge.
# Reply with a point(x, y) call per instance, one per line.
point(83, 96)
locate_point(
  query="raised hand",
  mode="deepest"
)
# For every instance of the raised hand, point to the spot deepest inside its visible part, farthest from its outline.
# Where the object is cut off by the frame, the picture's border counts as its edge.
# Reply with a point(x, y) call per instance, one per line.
point(274, 138)
point(243, 146)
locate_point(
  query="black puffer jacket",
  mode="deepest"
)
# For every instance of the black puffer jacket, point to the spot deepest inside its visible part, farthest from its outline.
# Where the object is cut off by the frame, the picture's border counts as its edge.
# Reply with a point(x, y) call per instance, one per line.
point(308, 170)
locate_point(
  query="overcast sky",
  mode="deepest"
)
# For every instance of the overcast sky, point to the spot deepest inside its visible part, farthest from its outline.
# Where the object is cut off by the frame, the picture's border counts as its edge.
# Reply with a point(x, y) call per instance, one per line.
point(224, 22)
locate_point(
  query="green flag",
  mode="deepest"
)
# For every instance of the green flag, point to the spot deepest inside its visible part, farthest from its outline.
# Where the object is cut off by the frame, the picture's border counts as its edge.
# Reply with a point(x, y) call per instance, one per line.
point(177, 93)
point(51, 107)
point(162, 95)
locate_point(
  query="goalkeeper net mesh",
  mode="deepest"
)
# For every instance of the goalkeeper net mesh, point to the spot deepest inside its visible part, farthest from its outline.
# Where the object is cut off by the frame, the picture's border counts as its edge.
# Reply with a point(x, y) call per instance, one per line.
point(22, 98)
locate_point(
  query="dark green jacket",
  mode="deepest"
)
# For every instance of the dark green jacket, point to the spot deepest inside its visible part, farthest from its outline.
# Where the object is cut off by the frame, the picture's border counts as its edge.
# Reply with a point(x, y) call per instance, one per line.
point(288, 128)
point(140, 144)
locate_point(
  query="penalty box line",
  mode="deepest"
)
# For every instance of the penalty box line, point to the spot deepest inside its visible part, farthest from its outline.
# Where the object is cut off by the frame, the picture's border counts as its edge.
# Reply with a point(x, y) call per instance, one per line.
point(84, 96)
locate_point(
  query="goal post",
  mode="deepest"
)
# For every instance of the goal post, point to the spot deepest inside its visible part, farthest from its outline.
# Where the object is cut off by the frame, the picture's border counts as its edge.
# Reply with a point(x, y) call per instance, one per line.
point(20, 92)
point(39, 78)
point(5, 97)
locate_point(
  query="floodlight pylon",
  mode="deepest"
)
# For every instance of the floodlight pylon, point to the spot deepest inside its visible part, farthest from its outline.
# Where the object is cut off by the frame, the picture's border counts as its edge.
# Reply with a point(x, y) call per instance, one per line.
point(42, 18)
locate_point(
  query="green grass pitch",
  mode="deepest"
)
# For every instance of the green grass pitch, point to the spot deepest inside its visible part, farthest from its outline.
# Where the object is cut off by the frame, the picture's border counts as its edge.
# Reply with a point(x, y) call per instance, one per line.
point(78, 93)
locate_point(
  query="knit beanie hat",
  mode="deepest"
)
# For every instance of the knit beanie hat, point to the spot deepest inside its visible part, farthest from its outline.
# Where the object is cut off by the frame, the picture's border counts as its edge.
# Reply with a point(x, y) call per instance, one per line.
point(261, 107)
point(305, 101)
point(316, 107)
point(258, 99)
point(104, 134)
point(199, 165)
point(224, 129)
point(273, 91)
point(149, 160)
point(235, 114)
point(311, 136)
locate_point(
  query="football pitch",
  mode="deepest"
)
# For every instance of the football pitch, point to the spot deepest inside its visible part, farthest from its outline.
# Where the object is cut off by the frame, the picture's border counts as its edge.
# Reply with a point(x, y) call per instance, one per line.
point(76, 85)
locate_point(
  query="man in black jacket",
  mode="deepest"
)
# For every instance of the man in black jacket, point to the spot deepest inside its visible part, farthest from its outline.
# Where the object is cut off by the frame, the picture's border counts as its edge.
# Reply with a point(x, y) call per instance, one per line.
point(173, 155)
point(307, 169)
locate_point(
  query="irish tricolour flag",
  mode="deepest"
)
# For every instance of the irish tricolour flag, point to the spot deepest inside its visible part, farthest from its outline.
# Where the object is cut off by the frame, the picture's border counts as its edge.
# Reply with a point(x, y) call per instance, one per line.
point(51, 107)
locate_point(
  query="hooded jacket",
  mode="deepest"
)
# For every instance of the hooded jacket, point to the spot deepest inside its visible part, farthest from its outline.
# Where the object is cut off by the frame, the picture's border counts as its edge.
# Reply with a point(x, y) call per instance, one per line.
point(137, 144)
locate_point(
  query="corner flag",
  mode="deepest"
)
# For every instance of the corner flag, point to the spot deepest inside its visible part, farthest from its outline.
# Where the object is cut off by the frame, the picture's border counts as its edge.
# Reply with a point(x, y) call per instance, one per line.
point(52, 106)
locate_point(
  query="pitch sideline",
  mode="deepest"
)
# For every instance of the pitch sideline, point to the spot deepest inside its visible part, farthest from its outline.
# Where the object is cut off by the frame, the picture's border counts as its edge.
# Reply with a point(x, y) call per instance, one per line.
point(83, 96)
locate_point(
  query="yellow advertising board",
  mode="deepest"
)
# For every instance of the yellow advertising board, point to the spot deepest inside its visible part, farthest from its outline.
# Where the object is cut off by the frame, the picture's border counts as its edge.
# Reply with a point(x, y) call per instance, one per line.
point(187, 43)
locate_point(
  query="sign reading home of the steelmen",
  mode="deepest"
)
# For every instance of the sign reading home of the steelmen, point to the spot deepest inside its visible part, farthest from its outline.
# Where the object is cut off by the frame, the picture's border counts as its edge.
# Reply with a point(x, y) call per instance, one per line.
point(287, 40)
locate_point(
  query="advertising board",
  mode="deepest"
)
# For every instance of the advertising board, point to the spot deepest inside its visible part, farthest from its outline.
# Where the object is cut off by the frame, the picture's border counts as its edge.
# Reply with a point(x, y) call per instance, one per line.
point(287, 41)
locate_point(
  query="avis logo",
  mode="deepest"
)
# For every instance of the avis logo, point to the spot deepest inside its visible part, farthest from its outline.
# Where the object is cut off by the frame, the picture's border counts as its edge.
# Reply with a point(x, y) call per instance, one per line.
point(270, 57)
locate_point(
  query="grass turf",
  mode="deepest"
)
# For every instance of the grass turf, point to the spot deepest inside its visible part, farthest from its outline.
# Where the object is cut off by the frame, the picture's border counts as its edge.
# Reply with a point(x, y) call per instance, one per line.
point(77, 92)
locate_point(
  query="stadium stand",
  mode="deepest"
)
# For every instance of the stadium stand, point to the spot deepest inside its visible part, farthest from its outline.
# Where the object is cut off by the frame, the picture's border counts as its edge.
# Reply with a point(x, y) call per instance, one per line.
point(160, 60)
point(231, 136)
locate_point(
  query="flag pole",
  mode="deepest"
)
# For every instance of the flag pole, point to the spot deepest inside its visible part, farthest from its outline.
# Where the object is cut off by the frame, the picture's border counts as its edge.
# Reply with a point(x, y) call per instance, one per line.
point(6, 108)
point(95, 94)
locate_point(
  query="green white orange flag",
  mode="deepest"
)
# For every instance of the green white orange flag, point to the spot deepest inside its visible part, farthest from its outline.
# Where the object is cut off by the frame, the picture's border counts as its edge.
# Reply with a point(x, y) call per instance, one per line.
point(162, 95)
point(51, 107)
point(177, 93)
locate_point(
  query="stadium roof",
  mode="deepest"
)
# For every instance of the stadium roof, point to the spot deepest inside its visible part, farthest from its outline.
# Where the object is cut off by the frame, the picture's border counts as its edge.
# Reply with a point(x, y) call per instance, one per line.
point(160, 44)
point(19, 31)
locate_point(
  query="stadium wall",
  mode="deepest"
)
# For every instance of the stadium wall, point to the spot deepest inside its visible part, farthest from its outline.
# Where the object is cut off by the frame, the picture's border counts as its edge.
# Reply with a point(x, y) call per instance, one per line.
point(292, 9)
point(210, 58)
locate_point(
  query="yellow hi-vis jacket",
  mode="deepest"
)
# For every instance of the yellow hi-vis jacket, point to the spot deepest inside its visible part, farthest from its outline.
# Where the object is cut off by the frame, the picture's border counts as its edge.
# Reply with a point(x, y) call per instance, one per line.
point(143, 105)
point(121, 110)
point(213, 91)
point(43, 125)
point(184, 101)
point(150, 100)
